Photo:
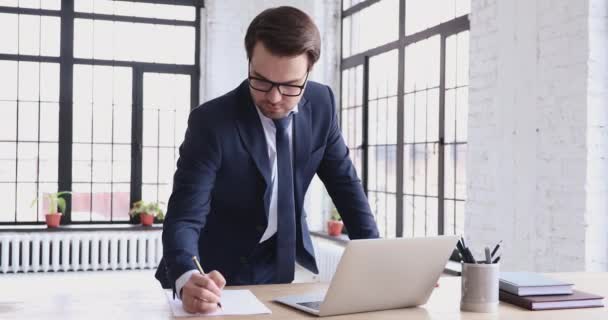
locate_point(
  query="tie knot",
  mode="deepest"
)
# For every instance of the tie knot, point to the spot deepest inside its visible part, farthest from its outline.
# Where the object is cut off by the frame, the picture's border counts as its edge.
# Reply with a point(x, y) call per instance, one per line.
point(281, 124)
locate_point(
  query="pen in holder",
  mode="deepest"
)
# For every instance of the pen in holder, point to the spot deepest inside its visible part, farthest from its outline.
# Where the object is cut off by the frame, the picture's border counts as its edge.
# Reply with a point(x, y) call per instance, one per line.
point(479, 290)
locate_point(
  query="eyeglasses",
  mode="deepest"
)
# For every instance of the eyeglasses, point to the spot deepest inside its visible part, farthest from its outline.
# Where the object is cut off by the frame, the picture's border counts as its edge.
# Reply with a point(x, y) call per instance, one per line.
point(289, 90)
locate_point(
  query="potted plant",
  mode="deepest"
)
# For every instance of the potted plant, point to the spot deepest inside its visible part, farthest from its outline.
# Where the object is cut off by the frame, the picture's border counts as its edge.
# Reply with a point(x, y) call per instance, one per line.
point(56, 201)
point(154, 208)
point(335, 224)
point(146, 212)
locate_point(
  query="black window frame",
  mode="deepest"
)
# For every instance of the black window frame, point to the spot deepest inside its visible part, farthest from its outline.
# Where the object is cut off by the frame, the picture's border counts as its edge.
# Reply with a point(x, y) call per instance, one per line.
point(443, 30)
point(66, 61)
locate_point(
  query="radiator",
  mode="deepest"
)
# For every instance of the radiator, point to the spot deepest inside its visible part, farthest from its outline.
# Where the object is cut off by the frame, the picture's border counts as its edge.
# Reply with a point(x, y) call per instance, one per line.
point(79, 251)
point(328, 254)
point(114, 250)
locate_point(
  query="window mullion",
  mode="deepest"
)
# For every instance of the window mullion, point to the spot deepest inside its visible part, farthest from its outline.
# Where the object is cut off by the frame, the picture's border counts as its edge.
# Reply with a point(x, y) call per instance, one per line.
point(66, 77)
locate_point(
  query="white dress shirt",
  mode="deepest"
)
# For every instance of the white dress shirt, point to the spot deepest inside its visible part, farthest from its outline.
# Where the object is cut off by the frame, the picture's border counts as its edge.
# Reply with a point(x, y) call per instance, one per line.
point(271, 142)
point(270, 132)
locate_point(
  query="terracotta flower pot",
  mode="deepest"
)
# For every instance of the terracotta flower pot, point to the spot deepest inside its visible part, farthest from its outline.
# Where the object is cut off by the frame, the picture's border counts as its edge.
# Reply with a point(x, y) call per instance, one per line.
point(52, 219)
point(334, 228)
point(146, 219)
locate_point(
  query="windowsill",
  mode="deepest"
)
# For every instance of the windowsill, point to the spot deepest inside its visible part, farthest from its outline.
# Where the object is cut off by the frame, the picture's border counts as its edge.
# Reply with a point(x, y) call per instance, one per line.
point(80, 227)
point(341, 239)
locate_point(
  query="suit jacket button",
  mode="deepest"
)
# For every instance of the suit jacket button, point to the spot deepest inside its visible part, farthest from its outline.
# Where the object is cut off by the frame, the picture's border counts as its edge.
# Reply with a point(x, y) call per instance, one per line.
point(259, 228)
point(243, 260)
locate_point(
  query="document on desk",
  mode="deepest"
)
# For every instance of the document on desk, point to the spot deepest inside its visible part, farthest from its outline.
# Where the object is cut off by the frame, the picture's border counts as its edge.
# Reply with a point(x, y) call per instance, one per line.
point(234, 302)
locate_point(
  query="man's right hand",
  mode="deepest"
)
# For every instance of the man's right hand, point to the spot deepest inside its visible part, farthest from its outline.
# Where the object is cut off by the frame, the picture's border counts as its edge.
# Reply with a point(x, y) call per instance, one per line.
point(201, 294)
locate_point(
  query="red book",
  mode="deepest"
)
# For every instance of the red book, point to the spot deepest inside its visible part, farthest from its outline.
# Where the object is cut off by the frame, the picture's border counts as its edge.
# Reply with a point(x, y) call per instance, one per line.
point(577, 299)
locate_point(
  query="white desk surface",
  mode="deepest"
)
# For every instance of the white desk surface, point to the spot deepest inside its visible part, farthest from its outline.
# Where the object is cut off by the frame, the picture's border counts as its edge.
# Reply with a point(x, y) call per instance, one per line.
point(137, 295)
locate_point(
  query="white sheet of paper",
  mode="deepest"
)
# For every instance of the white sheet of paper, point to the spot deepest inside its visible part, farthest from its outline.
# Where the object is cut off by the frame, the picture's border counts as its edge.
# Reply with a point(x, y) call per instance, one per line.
point(234, 302)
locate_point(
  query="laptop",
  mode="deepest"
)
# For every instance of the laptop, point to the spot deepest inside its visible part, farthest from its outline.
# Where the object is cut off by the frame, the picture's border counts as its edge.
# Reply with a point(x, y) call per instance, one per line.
point(380, 274)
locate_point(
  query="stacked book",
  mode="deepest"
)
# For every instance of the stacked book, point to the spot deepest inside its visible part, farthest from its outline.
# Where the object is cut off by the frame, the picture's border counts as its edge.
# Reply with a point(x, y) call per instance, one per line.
point(537, 292)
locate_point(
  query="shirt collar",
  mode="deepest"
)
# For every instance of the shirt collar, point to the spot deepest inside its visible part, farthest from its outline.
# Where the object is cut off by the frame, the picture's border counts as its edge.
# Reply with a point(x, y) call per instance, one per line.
point(265, 118)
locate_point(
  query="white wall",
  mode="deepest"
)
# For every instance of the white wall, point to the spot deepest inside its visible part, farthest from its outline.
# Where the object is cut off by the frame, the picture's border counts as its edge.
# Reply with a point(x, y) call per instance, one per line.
point(224, 60)
point(225, 22)
point(537, 132)
point(597, 137)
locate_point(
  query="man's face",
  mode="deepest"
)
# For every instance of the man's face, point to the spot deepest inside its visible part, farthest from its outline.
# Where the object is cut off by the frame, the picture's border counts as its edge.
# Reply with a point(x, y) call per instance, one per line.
point(283, 70)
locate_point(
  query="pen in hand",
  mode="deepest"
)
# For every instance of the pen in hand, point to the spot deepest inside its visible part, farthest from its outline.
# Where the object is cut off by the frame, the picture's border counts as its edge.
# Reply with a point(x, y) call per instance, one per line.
point(200, 269)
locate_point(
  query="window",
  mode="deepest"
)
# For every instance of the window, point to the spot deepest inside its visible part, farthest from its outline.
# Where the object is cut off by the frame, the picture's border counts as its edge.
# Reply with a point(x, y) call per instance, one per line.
point(378, 24)
point(101, 149)
point(421, 138)
point(29, 100)
point(382, 140)
point(124, 106)
point(352, 113)
point(413, 57)
point(166, 108)
point(456, 111)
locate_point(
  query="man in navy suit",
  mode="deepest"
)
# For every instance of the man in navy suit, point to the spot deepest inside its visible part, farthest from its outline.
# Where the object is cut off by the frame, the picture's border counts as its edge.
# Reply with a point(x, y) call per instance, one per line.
point(245, 164)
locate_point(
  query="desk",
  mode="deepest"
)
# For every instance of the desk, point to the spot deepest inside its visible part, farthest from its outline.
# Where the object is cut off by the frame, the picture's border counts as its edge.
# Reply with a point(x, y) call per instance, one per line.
point(137, 295)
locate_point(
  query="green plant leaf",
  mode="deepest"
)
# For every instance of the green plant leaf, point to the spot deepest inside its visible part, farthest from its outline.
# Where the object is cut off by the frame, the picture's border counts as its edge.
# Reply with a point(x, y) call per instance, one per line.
point(52, 203)
point(335, 215)
point(61, 204)
point(137, 208)
point(55, 200)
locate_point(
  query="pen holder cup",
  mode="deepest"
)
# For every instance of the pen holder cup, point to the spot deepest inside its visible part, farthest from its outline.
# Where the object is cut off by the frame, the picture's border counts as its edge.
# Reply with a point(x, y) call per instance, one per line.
point(479, 287)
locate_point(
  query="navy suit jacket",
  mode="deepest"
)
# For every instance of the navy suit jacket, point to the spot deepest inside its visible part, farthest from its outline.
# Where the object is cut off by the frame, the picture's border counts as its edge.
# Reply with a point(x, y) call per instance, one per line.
point(218, 209)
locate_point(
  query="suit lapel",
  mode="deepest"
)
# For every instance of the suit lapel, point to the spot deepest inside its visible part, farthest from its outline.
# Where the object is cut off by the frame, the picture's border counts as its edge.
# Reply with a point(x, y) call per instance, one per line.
point(252, 133)
point(301, 143)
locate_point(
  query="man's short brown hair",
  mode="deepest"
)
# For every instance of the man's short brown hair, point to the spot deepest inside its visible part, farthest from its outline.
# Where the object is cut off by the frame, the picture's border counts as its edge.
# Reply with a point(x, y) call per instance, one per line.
point(285, 31)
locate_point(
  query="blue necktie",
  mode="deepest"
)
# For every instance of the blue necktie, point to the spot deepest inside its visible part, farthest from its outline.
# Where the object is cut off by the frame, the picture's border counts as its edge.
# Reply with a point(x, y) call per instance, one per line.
point(286, 221)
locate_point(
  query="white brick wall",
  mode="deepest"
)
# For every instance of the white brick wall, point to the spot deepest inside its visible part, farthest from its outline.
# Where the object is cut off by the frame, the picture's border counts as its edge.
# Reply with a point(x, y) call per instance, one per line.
point(533, 151)
point(597, 138)
point(224, 60)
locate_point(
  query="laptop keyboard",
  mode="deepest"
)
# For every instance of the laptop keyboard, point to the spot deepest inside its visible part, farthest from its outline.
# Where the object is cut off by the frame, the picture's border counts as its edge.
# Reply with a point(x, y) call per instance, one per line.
point(316, 305)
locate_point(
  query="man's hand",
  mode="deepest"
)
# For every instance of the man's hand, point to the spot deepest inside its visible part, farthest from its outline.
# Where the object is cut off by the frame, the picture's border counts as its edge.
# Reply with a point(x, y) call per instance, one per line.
point(201, 294)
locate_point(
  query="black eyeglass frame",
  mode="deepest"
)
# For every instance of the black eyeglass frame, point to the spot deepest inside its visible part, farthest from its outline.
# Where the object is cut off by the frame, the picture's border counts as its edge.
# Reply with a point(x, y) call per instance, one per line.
point(278, 85)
